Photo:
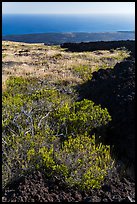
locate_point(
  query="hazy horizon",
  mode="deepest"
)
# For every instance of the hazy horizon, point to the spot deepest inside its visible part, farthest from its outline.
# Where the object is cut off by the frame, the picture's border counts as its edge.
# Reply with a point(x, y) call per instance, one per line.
point(68, 8)
point(84, 14)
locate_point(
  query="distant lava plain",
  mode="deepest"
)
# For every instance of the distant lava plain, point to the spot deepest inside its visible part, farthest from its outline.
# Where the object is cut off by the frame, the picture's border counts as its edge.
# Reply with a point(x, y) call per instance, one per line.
point(59, 38)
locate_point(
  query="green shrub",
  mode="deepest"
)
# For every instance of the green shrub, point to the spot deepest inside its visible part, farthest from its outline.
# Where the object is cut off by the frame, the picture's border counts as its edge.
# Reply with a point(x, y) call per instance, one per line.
point(80, 117)
point(16, 84)
point(80, 162)
point(39, 125)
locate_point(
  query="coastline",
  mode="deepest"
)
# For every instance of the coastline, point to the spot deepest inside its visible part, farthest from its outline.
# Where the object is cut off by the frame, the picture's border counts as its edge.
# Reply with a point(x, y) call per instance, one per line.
point(70, 37)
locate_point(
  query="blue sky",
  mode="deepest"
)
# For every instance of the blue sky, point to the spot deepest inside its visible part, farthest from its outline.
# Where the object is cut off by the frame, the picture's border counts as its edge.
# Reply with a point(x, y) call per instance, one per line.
point(68, 7)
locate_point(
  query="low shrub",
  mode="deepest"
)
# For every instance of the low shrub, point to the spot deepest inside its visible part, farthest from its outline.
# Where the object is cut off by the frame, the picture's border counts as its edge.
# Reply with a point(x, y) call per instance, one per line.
point(79, 161)
point(79, 117)
point(45, 128)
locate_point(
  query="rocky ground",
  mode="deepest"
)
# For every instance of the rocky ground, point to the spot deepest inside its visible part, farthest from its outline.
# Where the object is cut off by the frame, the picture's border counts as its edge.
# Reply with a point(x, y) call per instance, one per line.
point(37, 188)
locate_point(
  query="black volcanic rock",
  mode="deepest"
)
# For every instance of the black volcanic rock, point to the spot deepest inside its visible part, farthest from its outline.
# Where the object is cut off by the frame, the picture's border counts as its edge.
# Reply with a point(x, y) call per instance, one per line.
point(36, 187)
point(115, 90)
point(101, 45)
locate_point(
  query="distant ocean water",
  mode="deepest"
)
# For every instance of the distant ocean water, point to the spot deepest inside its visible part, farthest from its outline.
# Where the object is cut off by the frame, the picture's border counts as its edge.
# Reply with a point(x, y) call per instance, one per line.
point(15, 24)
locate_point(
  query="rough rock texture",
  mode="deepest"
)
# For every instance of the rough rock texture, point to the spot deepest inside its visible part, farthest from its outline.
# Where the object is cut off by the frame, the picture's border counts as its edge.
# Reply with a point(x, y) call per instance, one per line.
point(115, 90)
point(37, 187)
point(101, 45)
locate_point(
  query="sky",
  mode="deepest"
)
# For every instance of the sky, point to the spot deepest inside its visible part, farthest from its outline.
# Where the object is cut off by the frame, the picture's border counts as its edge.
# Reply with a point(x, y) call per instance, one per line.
point(68, 8)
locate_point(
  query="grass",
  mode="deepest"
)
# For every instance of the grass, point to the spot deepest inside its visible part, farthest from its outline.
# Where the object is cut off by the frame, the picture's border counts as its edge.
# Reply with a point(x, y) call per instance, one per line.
point(3, 55)
point(55, 63)
point(42, 124)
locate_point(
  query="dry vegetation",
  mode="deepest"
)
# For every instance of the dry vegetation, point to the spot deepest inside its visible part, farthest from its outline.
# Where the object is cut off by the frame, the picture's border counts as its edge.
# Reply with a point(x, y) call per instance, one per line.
point(54, 63)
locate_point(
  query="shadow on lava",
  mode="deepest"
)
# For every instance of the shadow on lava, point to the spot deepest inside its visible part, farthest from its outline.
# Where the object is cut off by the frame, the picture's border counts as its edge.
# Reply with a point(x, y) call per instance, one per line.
point(115, 90)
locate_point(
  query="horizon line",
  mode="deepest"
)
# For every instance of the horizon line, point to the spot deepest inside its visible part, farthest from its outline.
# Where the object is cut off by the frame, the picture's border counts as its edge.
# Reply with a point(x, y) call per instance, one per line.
point(69, 13)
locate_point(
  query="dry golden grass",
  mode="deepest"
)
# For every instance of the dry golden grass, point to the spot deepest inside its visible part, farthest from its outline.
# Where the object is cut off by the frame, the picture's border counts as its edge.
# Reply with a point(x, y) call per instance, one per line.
point(53, 62)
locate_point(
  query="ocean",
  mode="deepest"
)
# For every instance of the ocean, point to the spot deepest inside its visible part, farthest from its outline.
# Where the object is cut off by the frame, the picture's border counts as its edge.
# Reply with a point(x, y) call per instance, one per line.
point(16, 24)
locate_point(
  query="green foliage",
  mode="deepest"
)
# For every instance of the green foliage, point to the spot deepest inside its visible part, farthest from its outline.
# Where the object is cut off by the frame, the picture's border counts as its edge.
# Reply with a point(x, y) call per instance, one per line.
point(79, 161)
point(16, 84)
point(38, 123)
point(80, 117)
point(105, 66)
point(83, 71)
point(4, 55)
point(82, 162)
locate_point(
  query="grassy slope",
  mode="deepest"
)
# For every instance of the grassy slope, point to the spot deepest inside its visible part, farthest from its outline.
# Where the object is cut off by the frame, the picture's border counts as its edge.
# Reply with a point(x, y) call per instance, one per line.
point(53, 63)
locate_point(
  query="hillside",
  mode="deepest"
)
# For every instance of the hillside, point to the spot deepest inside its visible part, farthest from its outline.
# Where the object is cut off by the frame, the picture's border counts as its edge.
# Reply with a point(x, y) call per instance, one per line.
point(63, 114)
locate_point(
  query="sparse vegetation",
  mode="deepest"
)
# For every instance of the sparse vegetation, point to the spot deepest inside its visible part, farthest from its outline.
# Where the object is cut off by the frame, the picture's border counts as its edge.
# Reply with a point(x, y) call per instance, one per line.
point(55, 63)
